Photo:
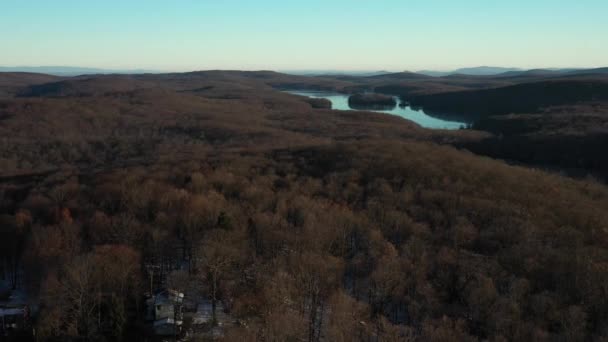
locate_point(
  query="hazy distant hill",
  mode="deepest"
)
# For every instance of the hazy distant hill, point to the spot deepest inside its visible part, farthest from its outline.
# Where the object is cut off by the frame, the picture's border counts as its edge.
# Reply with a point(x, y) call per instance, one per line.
point(598, 71)
point(337, 73)
point(72, 71)
point(475, 71)
point(484, 70)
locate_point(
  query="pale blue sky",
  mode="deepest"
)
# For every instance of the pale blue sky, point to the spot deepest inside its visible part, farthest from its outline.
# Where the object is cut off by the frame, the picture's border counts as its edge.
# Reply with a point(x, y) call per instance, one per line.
point(314, 34)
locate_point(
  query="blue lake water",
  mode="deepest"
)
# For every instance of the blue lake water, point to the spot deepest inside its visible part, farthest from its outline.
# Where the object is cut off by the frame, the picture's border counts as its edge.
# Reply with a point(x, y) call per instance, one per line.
point(340, 102)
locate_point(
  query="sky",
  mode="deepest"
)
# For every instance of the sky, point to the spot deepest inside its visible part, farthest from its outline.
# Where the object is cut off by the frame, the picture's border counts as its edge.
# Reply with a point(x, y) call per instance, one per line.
point(183, 35)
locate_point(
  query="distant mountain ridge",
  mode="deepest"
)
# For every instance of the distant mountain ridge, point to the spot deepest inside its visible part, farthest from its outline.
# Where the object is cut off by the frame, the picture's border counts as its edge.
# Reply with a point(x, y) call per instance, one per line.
point(499, 72)
point(72, 71)
point(336, 73)
point(474, 71)
point(514, 72)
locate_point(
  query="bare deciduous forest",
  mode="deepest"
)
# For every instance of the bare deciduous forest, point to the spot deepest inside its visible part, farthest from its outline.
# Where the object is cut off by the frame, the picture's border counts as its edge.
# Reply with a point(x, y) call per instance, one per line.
point(296, 222)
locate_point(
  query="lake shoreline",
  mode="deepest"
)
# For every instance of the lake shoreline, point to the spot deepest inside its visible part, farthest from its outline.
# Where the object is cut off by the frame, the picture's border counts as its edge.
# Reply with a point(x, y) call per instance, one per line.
point(340, 101)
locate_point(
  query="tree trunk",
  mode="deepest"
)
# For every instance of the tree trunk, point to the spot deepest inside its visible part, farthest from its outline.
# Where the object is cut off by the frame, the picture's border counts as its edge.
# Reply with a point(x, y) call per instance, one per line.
point(320, 319)
point(312, 319)
point(14, 273)
point(213, 299)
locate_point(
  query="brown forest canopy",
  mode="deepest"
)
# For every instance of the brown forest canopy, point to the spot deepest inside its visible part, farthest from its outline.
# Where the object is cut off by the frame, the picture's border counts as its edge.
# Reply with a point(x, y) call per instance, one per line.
point(306, 223)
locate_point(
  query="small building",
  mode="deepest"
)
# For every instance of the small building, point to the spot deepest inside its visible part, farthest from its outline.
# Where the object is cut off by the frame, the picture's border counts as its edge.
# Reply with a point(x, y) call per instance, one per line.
point(14, 312)
point(13, 320)
point(164, 310)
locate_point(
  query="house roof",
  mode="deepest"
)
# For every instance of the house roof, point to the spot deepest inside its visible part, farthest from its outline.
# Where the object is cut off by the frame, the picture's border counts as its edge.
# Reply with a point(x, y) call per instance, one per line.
point(11, 312)
point(169, 297)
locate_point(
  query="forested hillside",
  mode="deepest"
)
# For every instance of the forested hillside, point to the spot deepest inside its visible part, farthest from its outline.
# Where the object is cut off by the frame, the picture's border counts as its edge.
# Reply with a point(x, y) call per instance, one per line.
point(297, 222)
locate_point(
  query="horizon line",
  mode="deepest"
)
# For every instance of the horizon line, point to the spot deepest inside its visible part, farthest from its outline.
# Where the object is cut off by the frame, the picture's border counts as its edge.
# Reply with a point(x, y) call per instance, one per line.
point(286, 70)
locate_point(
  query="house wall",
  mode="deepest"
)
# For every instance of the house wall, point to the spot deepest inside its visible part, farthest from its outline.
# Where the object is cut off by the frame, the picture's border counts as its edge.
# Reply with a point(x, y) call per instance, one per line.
point(164, 311)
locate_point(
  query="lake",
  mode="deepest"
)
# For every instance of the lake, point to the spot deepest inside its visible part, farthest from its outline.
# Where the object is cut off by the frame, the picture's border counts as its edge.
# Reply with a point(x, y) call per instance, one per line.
point(340, 102)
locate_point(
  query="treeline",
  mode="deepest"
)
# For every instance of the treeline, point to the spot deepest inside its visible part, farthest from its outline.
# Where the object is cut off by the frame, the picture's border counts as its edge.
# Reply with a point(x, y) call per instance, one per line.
point(383, 241)
point(520, 98)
